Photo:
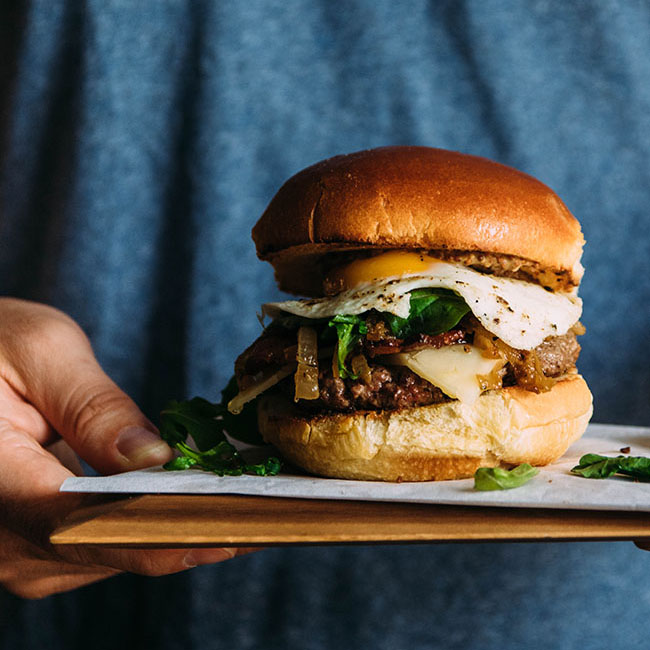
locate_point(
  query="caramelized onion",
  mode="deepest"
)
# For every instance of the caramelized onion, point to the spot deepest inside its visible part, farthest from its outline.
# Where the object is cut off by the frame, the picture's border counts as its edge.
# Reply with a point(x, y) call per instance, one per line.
point(236, 404)
point(361, 368)
point(306, 377)
point(492, 381)
point(335, 363)
point(578, 329)
point(525, 364)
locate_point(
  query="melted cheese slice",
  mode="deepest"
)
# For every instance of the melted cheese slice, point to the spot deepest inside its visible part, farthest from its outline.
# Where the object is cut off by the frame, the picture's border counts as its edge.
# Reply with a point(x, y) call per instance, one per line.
point(521, 314)
point(458, 370)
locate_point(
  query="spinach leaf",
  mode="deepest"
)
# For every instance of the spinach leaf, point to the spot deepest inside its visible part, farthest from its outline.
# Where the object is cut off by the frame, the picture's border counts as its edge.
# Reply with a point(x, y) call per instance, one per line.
point(180, 463)
point(432, 311)
point(349, 331)
point(195, 417)
point(495, 478)
point(206, 423)
point(596, 466)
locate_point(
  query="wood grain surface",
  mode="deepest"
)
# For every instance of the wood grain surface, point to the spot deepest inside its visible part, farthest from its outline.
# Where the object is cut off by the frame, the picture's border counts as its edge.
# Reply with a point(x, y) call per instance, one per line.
point(229, 520)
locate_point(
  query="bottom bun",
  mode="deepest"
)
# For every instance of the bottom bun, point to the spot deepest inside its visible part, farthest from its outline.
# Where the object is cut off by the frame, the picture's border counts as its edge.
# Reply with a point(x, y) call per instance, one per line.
point(443, 441)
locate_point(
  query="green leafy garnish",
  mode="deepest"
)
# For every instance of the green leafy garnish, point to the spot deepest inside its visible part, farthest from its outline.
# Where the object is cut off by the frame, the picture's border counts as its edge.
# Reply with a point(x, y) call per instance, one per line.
point(495, 478)
point(432, 311)
point(196, 417)
point(179, 463)
point(596, 466)
point(349, 330)
point(207, 423)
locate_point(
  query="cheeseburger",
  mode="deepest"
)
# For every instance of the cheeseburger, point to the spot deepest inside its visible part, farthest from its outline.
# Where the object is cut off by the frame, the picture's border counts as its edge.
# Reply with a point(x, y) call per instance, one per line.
point(439, 332)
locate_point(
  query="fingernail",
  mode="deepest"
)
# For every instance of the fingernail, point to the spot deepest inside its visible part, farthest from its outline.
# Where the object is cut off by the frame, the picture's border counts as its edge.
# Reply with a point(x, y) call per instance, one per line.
point(200, 556)
point(142, 447)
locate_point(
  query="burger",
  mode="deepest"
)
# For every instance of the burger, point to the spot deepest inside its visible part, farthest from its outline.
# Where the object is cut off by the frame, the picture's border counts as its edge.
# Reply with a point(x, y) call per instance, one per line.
point(438, 327)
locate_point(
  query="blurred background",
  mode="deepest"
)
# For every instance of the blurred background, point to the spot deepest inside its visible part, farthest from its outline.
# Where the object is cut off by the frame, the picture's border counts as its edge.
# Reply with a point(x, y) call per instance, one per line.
point(140, 141)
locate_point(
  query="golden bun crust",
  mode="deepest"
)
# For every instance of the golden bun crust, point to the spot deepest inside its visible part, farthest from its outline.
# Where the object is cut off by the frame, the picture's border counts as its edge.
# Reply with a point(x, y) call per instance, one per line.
point(444, 441)
point(414, 197)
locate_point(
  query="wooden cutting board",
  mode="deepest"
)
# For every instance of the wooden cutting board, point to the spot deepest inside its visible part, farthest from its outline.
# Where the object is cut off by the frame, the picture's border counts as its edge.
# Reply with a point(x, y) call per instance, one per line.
point(229, 520)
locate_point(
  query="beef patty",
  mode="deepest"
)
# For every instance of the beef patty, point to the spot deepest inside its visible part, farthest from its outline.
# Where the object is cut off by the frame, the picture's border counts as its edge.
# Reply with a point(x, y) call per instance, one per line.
point(395, 387)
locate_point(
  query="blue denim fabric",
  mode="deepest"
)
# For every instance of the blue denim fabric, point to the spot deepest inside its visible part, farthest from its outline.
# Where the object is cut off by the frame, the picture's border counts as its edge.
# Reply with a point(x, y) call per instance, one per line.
point(141, 141)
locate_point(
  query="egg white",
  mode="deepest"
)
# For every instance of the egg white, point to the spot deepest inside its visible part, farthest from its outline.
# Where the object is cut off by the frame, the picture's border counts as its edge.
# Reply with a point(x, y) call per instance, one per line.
point(521, 314)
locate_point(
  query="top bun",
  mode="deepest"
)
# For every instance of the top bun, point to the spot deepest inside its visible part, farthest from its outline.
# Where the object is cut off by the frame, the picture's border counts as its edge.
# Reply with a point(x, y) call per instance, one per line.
point(415, 198)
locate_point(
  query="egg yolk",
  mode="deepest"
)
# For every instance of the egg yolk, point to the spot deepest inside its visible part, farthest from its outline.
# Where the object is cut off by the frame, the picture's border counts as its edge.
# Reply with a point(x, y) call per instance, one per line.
point(384, 265)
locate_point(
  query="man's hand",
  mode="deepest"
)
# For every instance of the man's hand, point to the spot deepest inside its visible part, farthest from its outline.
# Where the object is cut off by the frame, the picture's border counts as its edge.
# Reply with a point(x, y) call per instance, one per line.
point(56, 400)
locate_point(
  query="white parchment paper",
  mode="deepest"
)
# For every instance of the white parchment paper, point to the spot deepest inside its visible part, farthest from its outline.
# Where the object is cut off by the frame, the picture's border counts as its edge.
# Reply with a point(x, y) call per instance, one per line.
point(554, 487)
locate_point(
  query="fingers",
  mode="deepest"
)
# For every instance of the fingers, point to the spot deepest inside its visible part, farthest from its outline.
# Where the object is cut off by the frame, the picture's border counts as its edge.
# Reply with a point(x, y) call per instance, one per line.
point(51, 363)
point(38, 579)
point(146, 562)
point(24, 416)
point(30, 572)
point(50, 382)
point(30, 479)
point(54, 582)
point(62, 451)
point(31, 507)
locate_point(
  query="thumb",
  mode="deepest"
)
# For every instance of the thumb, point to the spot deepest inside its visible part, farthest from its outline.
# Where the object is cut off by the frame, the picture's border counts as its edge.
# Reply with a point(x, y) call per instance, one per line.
point(105, 427)
point(60, 376)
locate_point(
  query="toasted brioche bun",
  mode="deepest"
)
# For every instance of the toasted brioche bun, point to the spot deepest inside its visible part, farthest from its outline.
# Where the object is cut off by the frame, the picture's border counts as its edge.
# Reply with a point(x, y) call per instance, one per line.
point(415, 198)
point(445, 441)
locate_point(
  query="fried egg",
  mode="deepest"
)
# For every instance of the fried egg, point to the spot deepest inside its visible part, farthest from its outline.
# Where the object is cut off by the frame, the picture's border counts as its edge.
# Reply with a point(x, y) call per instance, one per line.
point(521, 314)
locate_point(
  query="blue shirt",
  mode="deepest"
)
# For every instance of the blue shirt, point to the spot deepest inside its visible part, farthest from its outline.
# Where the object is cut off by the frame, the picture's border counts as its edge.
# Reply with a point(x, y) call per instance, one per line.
point(140, 143)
